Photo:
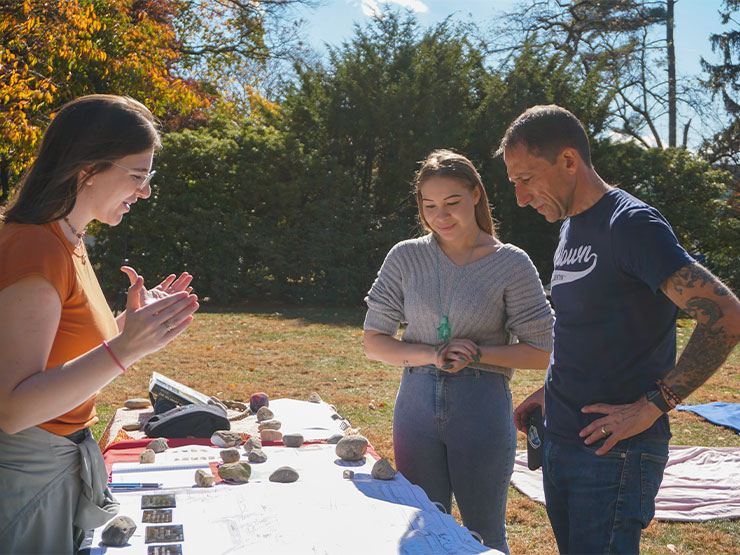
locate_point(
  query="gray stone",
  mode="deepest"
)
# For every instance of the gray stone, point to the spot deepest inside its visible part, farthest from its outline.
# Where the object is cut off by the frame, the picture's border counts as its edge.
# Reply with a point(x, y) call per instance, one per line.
point(382, 470)
point(238, 472)
point(257, 456)
point(137, 404)
point(158, 445)
point(118, 531)
point(131, 427)
point(264, 413)
point(351, 448)
point(146, 456)
point(292, 440)
point(348, 474)
point(334, 439)
point(226, 438)
point(230, 455)
point(204, 479)
point(269, 425)
point(284, 474)
point(271, 435)
point(252, 443)
point(314, 398)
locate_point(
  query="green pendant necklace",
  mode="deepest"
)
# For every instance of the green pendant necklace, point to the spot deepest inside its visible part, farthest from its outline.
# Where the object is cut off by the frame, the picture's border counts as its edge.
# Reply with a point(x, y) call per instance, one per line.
point(444, 331)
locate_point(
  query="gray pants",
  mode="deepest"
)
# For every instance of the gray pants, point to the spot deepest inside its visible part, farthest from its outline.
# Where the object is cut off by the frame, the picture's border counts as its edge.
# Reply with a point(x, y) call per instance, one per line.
point(53, 491)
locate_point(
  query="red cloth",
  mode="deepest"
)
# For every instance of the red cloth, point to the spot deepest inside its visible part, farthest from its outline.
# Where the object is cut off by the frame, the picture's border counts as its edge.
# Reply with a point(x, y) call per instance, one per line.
point(129, 450)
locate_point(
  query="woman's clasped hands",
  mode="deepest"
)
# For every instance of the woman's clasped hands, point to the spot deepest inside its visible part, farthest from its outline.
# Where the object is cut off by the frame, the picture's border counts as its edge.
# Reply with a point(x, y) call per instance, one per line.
point(455, 354)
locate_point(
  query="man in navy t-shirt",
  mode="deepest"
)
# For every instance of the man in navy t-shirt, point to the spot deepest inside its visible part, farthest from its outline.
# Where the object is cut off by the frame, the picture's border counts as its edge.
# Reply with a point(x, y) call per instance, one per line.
point(620, 278)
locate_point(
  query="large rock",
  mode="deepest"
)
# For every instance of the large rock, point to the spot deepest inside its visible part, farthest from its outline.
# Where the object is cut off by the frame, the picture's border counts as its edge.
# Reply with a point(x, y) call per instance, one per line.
point(118, 531)
point(382, 470)
point(257, 456)
point(351, 448)
point(264, 413)
point(146, 456)
point(284, 474)
point(204, 479)
point(269, 425)
point(238, 472)
point(158, 445)
point(230, 455)
point(138, 403)
point(226, 438)
point(271, 435)
point(292, 440)
point(252, 443)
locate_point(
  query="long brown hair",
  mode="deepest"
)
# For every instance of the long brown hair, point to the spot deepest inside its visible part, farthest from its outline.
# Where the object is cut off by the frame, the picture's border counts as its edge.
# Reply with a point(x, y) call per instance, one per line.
point(446, 163)
point(86, 134)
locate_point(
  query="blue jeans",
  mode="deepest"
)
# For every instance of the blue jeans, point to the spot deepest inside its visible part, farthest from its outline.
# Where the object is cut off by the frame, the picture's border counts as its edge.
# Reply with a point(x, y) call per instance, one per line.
point(455, 433)
point(600, 504)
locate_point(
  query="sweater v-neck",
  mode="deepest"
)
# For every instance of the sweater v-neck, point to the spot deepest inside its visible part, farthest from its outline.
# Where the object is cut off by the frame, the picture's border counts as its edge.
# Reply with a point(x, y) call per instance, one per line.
point(435, 245)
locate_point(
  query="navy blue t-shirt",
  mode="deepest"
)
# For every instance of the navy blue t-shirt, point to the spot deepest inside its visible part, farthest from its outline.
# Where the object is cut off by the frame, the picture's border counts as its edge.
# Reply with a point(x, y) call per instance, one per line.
point(615, 331)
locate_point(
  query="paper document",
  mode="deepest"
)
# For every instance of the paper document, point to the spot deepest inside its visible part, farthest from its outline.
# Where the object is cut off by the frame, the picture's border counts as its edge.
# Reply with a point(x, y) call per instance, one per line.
point(321, 513)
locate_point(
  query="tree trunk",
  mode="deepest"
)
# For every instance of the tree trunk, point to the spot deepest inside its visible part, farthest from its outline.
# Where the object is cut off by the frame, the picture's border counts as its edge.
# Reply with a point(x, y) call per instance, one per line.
point(671, 74)
point(4, 180)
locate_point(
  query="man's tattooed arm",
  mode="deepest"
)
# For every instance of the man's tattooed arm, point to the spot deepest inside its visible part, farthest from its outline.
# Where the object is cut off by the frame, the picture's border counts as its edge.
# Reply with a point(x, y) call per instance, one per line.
point(717, 313)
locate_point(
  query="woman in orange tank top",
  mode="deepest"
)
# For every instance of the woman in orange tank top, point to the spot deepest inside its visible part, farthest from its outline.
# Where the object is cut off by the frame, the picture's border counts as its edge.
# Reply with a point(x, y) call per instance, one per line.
point(59, 342)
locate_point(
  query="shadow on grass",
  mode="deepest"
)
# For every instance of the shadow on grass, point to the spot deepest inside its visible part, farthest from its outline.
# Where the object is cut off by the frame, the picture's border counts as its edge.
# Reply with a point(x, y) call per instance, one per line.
point(346, 316)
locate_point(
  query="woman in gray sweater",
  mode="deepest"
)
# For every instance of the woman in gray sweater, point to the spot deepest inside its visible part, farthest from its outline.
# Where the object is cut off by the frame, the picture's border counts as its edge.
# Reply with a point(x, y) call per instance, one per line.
point(475, 309)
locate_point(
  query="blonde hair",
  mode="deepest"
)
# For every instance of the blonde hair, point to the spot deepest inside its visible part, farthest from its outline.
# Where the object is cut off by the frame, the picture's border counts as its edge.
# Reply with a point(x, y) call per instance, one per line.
point(446, 163)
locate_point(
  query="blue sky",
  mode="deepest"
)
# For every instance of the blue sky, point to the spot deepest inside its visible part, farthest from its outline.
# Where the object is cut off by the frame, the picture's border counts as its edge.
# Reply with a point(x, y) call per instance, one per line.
point(332, 22)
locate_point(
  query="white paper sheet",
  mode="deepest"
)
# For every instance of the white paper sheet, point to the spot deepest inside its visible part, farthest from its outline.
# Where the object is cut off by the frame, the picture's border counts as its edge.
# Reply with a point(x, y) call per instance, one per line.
point(321, 513)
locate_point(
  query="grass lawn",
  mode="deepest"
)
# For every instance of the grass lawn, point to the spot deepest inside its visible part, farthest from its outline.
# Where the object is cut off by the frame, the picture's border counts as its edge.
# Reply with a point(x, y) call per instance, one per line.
point(290, 352)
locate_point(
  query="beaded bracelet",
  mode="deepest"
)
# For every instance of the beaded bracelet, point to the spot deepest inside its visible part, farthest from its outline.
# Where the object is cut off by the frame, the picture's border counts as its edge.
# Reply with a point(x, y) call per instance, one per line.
point(668, 391)
point(110, 352)
point(668, 394)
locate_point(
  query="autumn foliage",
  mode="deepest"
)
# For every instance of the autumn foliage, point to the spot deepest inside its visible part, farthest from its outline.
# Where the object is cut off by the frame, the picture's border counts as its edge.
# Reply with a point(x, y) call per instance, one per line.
point(54, 51)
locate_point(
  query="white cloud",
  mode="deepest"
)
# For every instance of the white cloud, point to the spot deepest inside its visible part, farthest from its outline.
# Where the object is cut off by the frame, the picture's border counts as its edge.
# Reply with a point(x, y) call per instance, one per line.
point(414, 5)
point(375, 7)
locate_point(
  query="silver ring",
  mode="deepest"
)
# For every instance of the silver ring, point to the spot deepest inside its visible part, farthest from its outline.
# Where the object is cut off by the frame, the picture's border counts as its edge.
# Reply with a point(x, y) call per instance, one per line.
point(169, 329)
point(604, 432)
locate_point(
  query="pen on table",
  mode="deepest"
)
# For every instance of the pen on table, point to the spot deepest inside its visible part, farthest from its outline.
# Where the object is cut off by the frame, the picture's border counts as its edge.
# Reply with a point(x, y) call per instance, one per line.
point(135, 485)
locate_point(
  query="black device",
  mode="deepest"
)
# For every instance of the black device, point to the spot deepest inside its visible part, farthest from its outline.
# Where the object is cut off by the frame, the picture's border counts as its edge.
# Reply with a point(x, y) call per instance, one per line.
point(535, 435)
point(655, 396)
point(187, 421)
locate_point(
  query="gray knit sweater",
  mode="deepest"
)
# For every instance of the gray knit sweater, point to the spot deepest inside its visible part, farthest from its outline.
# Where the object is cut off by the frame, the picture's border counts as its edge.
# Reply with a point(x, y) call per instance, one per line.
point(499, 299)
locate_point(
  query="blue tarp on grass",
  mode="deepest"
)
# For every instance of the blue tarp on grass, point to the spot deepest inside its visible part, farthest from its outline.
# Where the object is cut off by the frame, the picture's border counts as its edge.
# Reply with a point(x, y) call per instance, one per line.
point(723, 414)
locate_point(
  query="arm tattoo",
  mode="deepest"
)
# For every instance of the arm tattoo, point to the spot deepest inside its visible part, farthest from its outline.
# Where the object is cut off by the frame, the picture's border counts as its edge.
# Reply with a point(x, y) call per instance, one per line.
point(710, 344)
point(690, 276)
point(705, 352)
point(705, 311)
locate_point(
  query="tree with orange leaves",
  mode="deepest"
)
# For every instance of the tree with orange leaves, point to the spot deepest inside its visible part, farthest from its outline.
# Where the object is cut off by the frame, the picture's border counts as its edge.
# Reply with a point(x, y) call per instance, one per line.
point(175, 56)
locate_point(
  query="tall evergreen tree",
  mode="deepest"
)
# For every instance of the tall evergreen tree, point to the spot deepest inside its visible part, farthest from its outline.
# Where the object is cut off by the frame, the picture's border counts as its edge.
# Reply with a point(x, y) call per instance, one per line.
point(724, 80)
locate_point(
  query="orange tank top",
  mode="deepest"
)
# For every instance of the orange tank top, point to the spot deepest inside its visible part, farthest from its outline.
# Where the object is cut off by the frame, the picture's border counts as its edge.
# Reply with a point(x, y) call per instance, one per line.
point(86, 320)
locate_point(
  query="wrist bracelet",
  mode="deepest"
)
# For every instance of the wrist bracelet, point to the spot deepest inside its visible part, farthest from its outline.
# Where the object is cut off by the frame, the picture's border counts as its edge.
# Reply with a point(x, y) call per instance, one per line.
point(110, 352)
point(668, 393)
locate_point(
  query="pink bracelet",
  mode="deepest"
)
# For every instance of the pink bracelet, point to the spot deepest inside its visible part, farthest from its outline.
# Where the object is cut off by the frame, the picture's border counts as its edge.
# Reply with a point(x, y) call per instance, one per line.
point(110, 352)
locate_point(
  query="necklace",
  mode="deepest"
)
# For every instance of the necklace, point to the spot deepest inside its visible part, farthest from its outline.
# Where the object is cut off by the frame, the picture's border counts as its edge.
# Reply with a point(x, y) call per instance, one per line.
point(79, 235)
point(444, 330)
